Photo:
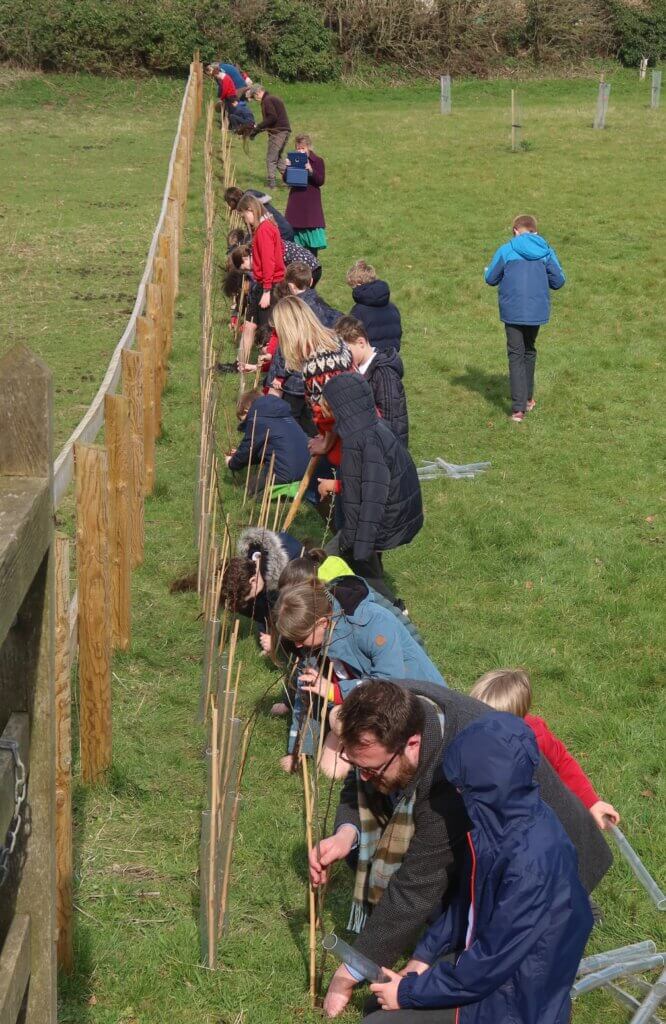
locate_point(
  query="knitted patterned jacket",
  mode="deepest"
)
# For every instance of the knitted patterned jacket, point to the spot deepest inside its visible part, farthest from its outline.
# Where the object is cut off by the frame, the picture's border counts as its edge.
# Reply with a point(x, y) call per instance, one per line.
point(318, 369)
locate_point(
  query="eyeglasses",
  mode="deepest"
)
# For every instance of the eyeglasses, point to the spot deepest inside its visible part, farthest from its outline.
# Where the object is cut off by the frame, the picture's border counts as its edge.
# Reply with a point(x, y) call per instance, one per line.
point(372, 773)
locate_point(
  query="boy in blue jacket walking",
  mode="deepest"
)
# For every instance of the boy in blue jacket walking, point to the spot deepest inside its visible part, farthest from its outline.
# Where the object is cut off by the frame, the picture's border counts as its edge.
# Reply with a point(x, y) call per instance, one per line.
point(526, 268)
point(508, 946)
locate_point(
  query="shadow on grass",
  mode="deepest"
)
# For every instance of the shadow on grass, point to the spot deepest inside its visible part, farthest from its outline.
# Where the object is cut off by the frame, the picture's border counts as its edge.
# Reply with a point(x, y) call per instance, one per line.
point(491, 386)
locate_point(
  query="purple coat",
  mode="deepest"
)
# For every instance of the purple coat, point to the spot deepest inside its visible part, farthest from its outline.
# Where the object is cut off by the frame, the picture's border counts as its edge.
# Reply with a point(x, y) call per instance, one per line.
point(304, 209)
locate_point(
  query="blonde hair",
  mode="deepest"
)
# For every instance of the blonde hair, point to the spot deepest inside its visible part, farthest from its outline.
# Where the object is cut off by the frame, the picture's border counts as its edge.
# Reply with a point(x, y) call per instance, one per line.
point(257, 209)
point(303, 140)
point(299, 608)
point(505, 689)
point(361, 273)
point(300, 333)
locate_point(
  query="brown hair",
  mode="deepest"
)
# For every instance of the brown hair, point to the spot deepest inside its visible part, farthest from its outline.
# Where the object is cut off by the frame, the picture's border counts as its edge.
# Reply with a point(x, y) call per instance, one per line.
point(300, 333)
point(505, 689)
point(257, 209)
point(299, 274)
point(302, 569)
point(524, 220)
point(236, 237)
point(245, 402)
point(303, 140)
point(361, 273)
point(385, 710)
point(350, 329)
point(233, 196)
point(236, 581)
point(240, 253)
point(299, 608)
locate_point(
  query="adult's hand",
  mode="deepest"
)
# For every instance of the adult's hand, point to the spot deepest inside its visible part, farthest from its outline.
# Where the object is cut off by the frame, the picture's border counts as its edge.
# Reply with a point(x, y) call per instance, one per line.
point(414, 967)
point(604, 814)
point(330, 850)
point(339, 992)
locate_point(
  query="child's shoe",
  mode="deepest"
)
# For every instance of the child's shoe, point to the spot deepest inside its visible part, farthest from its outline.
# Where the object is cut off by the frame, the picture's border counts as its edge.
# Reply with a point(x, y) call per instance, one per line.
point(530, 405)
point(518, 417)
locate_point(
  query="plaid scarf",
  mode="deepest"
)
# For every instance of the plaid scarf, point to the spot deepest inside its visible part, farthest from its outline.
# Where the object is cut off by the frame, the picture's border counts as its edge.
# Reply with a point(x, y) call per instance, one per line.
point(384, 841)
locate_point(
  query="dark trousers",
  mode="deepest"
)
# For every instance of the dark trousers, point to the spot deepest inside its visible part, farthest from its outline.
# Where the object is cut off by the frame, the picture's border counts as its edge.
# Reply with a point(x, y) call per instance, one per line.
point(375, 1015)
point(274, 159)
point(522, 353)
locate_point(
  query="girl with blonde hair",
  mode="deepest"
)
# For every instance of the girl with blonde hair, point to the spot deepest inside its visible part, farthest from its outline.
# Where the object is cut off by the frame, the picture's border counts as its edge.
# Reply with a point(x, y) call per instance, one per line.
point(317, 352)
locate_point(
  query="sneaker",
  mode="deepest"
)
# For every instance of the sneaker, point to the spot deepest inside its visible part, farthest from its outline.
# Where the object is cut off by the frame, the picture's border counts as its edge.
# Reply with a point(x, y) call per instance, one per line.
point(530, 405)
point(518, 417)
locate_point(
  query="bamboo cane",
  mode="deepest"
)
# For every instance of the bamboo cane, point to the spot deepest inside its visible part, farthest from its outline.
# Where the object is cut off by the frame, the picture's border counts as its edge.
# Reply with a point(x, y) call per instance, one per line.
point(300, 494)
point(312, 938)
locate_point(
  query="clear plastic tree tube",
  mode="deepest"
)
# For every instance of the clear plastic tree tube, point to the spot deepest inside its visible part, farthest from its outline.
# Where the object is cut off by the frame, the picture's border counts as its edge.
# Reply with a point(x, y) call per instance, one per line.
point(600, 978)
point(615, 956)
point(652, 1003)
point(351, 958)
point(638, 867)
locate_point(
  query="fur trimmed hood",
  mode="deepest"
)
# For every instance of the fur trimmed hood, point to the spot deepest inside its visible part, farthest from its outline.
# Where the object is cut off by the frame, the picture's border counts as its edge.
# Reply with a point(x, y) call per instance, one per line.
point(275, 550)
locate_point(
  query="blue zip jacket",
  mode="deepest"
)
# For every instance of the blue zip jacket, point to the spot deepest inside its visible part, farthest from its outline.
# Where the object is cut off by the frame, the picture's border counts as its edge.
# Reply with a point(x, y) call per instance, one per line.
point(526, 268)
point(234, 74)
point(529, 920)
point(372, 641)
point(271, 417)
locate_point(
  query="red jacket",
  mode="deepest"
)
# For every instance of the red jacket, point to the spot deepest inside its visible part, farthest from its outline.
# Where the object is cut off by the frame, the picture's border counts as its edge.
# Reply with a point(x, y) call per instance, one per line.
point(566, 766)
point(226, 88)
point(267, 255)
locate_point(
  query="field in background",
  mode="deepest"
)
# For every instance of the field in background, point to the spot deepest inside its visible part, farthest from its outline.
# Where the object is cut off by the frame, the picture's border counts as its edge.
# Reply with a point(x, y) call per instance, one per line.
point(552, 560)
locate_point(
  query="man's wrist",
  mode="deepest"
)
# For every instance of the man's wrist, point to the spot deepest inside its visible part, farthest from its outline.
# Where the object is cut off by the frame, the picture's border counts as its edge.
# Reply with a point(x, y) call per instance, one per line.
point(351, 831)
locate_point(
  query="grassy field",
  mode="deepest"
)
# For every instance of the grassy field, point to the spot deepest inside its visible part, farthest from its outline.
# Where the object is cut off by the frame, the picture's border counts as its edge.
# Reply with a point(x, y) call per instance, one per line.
point(552, 560)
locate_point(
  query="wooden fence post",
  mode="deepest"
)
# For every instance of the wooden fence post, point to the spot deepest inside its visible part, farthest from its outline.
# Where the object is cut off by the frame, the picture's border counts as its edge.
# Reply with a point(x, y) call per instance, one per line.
point(152, 401)
point(63, 703)
point(155, 311)
point(27, 664)
point(132, 367)
point(92, 561)
point(117, 434)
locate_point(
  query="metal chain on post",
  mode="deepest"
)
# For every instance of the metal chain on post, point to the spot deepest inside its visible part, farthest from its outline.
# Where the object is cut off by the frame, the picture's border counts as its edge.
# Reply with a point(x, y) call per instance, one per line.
point(19, 799)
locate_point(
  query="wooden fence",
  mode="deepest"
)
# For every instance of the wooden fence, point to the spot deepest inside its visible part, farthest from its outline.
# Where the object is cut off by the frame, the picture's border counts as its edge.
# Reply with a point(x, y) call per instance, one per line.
point(42, 628)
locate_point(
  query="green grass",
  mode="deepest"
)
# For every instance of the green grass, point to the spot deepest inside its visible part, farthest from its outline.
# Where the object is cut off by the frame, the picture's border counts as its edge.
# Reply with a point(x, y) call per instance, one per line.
point(552, 560)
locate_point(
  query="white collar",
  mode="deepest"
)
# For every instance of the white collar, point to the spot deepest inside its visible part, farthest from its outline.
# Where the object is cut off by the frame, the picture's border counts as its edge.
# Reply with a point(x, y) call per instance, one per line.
point(364, 366)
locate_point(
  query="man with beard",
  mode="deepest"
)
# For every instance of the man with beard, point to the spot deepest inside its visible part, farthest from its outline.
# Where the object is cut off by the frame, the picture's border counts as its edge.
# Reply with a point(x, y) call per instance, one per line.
point(404, 826)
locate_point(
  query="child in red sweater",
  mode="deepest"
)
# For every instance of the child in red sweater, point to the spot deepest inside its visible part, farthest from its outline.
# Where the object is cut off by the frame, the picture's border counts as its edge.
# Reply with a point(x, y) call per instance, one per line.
point(506, 689)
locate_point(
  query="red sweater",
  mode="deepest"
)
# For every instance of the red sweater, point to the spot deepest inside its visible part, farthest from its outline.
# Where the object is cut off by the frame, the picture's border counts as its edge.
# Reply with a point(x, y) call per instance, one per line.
point(566, 766)
point(267, 255)
point(225, 87)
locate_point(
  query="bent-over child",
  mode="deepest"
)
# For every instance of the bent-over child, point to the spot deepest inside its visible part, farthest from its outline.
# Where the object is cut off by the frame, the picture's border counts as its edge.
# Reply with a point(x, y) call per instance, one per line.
point(373, 306)
point(383, 371)
point(271, 434)
point(510, 689)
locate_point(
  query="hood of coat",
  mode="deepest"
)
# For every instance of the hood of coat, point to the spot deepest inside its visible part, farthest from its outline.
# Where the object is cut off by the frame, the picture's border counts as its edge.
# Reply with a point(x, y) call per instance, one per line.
point(492, 763)
point(530, 246)
point(273, 555)
point(350, 398)
point(375, 293)
point(349, 592)
point(389, 358)
point(269, 407)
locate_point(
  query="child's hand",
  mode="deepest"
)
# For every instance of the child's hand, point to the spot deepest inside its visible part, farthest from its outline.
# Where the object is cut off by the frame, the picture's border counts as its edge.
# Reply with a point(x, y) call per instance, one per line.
point(311, 681)
point(265, 642)
point(287, 161)
point(387, 991)
point(288, 764)
point(601, 810)
point(414, 967)
point(325, 487)
point(228, 458)
point(265, 300)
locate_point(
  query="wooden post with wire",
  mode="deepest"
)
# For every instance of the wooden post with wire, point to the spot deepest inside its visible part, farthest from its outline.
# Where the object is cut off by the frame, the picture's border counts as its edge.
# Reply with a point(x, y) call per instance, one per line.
point(117, 436)
point(63, 779)
point(132, 370)
point(94, 609)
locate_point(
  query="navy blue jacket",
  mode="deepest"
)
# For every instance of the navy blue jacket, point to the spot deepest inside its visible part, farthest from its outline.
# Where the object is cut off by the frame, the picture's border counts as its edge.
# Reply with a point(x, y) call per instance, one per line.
point(384, 375)
point(283, 225)
point(530, 916)
point(234, 74)
point(381, 495)
point(380, 317)
point(292, 380)
point(286, 440)
point(526, 268)
point(324, 313)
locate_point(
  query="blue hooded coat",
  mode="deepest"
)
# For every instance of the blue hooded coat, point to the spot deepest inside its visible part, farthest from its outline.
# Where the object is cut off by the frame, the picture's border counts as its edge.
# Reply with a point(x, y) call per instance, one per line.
point(379, 316)
point(269, 416)
point(529, 920)
point(526, 268)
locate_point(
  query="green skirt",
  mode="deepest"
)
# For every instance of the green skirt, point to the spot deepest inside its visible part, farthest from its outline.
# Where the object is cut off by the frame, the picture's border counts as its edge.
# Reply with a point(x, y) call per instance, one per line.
point(311, 238)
